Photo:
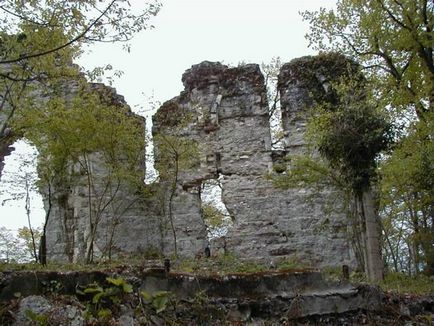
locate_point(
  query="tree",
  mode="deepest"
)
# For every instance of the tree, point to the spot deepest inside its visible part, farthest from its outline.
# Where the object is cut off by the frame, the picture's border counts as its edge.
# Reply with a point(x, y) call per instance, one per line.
point(350, 136)
point(21, 185)
point(79, 136)
point(407, 201)
point(271, 72)
point(10, 249)
point(175, 155)
point(30, 237)
point(346, 132)
point(214, 219)
point(40, 40)
point(393, 40)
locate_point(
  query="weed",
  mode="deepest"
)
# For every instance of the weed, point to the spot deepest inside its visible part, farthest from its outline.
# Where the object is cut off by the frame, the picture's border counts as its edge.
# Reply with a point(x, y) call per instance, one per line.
point(222, 264)
point(103, 298)
point(39, 319)
point(290, 263)
point(401, 283)
point(157, 300)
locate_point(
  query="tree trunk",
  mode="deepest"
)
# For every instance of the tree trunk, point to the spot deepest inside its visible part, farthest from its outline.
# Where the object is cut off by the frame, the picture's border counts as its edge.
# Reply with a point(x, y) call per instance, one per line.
point(43, 241)
point(27, 207)
point(43, 250)
point(374, 262)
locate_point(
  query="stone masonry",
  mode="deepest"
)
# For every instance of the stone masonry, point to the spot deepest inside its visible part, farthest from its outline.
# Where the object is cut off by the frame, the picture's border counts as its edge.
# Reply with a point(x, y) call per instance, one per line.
point(223, 115)
point(228, 119)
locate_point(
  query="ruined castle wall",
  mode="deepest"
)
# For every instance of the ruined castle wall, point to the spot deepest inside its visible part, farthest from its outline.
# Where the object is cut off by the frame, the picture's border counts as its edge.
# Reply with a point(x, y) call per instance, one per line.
point(230, 123)
point(129, 223)
point(223, 112)
point(132, 224)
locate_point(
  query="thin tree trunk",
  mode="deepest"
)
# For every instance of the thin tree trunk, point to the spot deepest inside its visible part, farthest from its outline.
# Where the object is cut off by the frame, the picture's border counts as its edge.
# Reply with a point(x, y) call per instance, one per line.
point(89, 253)
point(358, 236)
point(389, 244)
point(375, 265)
point(43, 241)
point(35, 255)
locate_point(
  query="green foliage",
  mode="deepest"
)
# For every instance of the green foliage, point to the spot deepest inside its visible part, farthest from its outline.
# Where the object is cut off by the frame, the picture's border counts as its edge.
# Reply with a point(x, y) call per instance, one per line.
point(175, 154)
point(345, 127)
point(407, 187)
point(158, 300)
point(335, 274)
point(39, 40)
point(17, 248)
point(25, 236)
point(289, 263)
point(69, 131)
point(214, 218)
point(393, 42)
point(306, 171)
point(104, 297)
point(351, 133)
point(221, 265)
point(40, 320)
point(73, 136)
point(392, 39)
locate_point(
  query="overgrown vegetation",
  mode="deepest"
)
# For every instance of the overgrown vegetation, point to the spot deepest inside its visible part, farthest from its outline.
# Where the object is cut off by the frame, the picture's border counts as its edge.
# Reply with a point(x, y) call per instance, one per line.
point(405, 284)
point(175, 155)
point(392, 42)
point(346, 132)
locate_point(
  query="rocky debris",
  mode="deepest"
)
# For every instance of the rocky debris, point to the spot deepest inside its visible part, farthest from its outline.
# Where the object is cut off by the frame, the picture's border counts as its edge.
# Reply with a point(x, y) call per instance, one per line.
point(30, 307)
point(67, 315)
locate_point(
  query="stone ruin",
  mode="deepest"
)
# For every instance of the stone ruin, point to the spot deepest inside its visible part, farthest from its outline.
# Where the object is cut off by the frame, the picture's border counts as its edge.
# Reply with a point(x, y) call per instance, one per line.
point(228, 118)
point(224, 113)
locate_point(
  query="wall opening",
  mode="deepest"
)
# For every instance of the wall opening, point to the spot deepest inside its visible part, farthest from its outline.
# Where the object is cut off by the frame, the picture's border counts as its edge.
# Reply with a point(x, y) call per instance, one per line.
point(151, 173)
point(19, 199)
point(216, 216)
point(271, 71)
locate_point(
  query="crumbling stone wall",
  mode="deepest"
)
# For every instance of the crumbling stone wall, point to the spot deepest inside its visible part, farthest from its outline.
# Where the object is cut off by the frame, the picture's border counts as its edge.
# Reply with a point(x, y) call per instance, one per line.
point(127, 225)
point(142, 228)
point(229, 120)
point(224, 113)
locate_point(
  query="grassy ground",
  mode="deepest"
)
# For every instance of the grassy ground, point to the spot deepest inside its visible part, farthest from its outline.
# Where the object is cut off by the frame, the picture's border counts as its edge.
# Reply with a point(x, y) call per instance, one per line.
point(227, 264)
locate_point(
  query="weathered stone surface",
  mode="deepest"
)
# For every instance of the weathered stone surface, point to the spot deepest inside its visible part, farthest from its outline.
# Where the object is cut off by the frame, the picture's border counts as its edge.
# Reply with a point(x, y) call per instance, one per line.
point(68, 228)
point(305, 290)
point(285, 297)
point(34, 304)
point(228, 119)
point(5, 150)
point(224, 112)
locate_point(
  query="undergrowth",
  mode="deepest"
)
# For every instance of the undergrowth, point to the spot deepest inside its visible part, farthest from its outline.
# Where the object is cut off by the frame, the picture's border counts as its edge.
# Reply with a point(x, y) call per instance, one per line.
point(404, 284)
point(230, 263)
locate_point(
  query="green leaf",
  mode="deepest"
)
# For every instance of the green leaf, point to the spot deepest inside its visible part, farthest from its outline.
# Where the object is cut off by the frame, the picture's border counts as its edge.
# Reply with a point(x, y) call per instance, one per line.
point(160, 300)
point(93, 290)
point(115, 281)
point(97, 297)
point(146, 296)
point(128, 288)
point(104, 313)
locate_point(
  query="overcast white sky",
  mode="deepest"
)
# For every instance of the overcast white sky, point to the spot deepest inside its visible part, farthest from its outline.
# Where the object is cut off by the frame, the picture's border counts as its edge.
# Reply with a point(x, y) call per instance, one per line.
point(186, 33)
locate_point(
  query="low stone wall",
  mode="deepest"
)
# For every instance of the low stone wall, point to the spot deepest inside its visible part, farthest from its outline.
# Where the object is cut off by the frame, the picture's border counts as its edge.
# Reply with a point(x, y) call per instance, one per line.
point(266, 298)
